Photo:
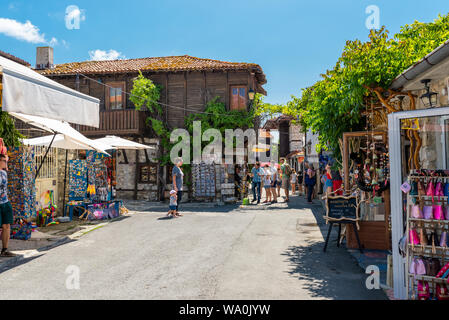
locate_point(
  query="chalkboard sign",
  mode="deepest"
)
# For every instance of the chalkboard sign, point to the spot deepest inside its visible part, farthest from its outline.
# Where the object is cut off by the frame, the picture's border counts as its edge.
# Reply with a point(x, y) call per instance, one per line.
point(341, 208)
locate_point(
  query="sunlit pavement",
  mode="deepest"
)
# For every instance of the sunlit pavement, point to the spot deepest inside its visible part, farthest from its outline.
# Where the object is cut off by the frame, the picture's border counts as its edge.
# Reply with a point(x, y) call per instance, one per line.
point(212, 252)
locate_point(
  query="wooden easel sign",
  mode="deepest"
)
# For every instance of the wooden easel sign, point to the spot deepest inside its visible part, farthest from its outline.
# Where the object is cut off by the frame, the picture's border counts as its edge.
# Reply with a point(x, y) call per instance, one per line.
point(342, 208)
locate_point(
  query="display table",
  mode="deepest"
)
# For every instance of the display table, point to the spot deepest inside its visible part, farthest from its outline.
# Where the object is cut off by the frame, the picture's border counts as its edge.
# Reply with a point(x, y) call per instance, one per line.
point(99, 210)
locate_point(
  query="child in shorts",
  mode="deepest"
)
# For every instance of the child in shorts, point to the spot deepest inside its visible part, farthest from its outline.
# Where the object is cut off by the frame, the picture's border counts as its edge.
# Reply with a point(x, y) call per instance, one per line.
point(173, 203)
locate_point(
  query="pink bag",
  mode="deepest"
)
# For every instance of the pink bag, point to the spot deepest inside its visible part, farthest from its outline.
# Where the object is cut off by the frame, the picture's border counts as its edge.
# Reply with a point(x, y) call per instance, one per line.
point(428, 212)
point(430, 191)
point(414, 238)
point(423, 290)
point(417, 267)
point(417, 212)
point(406, 187)
point(439, 190)
point(438, 212)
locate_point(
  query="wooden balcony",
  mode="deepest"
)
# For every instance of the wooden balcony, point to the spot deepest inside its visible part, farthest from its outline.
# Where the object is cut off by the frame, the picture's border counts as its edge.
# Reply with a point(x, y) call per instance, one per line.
point(117, 122)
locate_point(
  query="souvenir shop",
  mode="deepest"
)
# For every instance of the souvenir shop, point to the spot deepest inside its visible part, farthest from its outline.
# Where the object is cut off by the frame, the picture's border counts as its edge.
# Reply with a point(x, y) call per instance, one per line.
point(90, 187)
point(29, 96)
point(419, 141)
point(366, 174)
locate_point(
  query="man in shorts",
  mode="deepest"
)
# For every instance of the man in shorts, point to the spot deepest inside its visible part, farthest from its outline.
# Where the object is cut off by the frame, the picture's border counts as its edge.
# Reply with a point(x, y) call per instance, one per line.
point(6, 216)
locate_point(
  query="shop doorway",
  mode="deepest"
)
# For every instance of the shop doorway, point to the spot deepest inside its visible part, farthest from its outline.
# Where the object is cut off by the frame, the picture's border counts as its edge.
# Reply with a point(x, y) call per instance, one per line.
point(47, 182)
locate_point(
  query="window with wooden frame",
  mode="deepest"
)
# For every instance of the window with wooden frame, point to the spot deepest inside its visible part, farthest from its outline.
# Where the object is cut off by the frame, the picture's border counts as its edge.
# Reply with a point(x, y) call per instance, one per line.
point(238, 98)
point(147, 173)
point(115, 95)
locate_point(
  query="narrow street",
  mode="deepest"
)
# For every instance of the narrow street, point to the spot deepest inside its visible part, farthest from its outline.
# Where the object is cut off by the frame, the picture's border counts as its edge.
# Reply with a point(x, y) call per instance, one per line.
point(263, 252)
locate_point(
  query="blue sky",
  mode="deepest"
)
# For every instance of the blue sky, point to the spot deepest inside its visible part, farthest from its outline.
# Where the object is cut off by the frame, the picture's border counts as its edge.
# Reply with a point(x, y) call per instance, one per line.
point(293, 41)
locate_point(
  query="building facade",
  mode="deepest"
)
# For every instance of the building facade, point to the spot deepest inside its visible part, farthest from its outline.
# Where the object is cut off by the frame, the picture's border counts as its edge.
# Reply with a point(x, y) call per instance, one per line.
point(187, 84)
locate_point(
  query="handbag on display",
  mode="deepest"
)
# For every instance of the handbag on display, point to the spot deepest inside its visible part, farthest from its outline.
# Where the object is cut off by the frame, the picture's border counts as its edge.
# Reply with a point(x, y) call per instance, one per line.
point(443, 239)
point(423, 290)
point(430, 191)
point(406, 187)
point(433, 239)
point(428, 212)
point(423, 237)
point(432, 266)
point(446, 190)
point(443, 270)
point(446, 212)
point(439, 189)
point(417, 267)
point(438, 212)
point(421, 189)
point(442, 292)
point(417, 212)
point(413, 236)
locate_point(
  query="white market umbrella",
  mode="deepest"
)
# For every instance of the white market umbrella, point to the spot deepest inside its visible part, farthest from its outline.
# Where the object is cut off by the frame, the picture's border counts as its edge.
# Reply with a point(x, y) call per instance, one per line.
point(61, 127)
point(60, 141)
point(122, 144)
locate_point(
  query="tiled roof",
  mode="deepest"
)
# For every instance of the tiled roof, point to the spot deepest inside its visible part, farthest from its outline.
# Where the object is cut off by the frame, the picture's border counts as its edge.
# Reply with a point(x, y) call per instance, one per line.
point(173, 63)
point(13, 58)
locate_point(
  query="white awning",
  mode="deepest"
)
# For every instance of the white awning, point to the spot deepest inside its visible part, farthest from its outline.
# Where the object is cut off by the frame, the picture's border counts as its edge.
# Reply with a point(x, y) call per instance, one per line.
point(124, 144)
point(28, 92)
point(56, 126)
point(62, 142)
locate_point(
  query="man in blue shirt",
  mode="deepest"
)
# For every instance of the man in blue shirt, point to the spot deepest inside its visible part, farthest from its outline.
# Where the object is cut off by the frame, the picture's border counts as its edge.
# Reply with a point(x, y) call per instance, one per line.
point(256, 174)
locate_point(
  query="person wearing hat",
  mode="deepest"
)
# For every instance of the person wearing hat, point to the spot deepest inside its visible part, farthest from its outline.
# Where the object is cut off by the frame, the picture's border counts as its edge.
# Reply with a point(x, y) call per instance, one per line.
point(6, 215)
point(173, 205)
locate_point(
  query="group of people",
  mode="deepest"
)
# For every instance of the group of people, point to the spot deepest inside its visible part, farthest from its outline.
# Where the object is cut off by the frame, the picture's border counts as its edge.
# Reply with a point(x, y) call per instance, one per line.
point(272, 179)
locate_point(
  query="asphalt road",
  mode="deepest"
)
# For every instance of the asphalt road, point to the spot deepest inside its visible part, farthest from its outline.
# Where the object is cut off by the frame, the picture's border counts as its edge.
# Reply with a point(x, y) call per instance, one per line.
point(211, 253)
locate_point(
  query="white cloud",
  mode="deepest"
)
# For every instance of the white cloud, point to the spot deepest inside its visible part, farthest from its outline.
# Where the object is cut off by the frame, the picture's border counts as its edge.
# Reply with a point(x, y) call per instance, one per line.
point(21, 31)
point(24, 31)
point(98, 55)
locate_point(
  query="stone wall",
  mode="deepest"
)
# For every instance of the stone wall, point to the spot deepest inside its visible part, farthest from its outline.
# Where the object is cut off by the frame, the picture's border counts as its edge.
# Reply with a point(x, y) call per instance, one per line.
point(126, 173)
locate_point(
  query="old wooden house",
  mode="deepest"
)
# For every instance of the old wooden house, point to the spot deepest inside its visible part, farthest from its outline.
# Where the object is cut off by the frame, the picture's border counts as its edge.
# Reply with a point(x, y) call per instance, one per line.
point(187, 83)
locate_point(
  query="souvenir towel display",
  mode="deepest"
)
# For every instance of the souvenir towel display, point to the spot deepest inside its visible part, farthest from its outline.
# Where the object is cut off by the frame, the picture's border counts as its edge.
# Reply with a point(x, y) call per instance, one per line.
point(203, 176)
point(21, 182)
point(77, 180)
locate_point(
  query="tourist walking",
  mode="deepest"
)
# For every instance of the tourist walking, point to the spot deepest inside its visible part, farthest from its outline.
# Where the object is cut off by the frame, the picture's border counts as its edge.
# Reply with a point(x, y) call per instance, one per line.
point(6, 215)
point(267, 183)
point(286, 172)
point(274, 175)
point(172, 206)
point(278, 181)
point(293, 181)
point(256, 175)
point(310, 182)
point(178, 181)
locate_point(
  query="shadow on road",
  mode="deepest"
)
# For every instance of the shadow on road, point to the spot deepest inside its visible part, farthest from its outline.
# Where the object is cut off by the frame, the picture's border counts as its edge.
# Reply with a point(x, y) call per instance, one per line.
point(330, 275)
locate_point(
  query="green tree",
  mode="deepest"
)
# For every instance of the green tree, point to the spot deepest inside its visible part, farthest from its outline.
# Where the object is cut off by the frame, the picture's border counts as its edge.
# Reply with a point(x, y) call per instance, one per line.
point(364, 72)
point(8, 132)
